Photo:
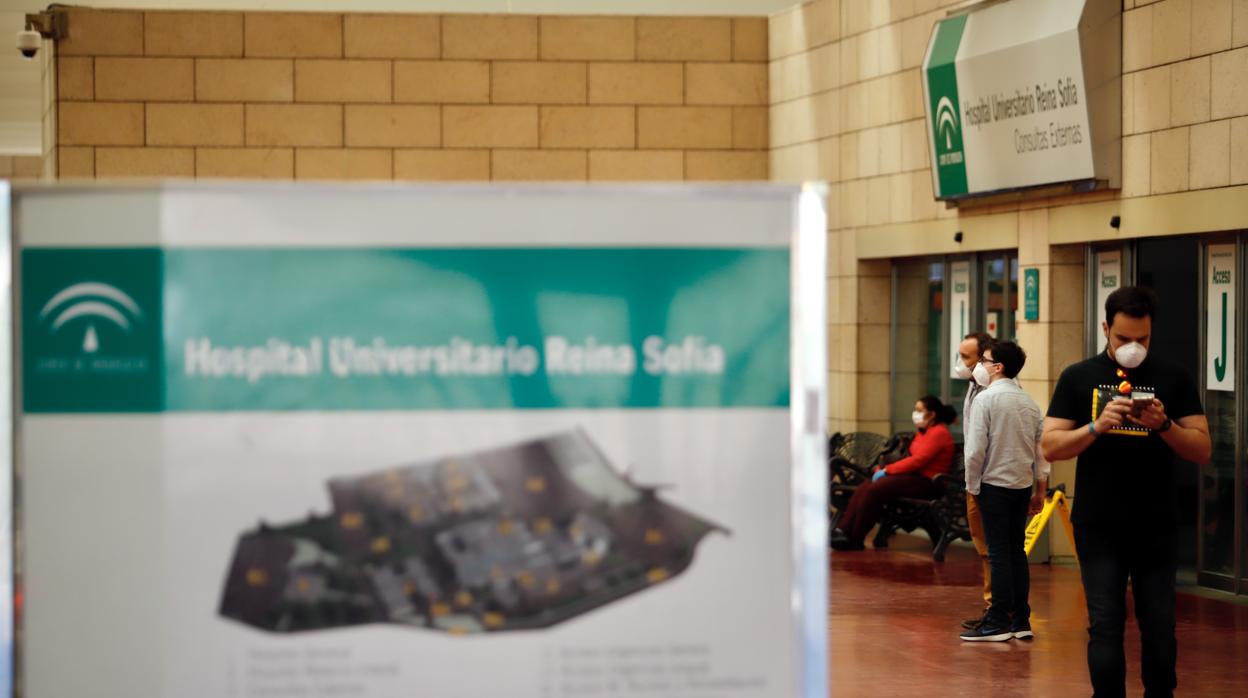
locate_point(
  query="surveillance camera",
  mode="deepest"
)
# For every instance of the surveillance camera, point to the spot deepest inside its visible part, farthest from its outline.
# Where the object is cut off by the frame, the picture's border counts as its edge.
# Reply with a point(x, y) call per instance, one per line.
point(29, 43)
point(1115, 222)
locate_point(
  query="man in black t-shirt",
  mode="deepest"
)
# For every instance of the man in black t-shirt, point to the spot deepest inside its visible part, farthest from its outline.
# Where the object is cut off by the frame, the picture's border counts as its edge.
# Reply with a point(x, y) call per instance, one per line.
point(1127, 416)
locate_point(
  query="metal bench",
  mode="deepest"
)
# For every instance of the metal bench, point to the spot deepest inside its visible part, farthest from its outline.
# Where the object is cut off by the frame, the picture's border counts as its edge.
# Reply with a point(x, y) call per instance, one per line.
point(850, 458)
point(943, 519)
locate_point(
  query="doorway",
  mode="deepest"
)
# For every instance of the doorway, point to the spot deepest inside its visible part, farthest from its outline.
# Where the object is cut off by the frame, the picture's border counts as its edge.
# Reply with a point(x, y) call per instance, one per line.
point(1171, 268)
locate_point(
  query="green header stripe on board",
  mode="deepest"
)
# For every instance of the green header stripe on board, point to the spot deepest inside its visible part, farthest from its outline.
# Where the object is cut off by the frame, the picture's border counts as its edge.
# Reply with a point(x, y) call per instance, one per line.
point(146, 330)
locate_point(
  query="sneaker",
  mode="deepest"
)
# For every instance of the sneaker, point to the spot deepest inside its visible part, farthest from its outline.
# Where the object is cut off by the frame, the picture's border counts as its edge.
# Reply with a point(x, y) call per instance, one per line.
point(972, 623)
point(986, 633)
point(1022, 631)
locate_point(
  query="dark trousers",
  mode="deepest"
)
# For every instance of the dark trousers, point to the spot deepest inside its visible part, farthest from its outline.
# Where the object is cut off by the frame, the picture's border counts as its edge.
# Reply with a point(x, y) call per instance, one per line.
point(867, 503)
point(1108, 556)
point(1004, 512)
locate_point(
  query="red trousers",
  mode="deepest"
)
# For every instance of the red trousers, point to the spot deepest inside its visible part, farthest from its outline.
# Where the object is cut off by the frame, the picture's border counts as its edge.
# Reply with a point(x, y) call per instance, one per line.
point(867, 503)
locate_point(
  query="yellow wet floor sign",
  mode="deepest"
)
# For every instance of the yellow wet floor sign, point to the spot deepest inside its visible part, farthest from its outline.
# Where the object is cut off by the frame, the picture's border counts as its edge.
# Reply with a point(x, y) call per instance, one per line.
point(1056, 502)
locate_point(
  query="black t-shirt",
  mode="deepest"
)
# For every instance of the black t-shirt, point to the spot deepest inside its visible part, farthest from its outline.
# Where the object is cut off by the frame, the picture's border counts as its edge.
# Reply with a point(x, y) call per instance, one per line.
point(1127, 477)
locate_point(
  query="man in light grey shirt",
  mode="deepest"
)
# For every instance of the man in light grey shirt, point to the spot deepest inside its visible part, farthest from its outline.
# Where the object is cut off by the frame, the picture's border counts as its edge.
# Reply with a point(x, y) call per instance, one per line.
point(970, 353)
point(1007, 474)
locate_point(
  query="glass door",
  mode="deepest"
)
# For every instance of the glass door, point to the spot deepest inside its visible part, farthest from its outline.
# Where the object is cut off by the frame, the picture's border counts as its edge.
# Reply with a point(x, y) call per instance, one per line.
point(1171, 267)
point(918, 337)
point(999, 293)
point(1220, 375)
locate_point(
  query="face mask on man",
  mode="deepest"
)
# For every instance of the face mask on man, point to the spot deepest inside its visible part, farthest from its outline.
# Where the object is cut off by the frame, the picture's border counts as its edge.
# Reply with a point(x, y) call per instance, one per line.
point(981, 375)
point(961, 371)
point(1130, 355)
point(919, 418)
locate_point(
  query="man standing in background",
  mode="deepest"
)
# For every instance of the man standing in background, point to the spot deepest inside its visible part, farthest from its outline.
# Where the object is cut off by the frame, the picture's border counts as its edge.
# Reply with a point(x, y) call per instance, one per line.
point(1008, 476)
point(970, 352)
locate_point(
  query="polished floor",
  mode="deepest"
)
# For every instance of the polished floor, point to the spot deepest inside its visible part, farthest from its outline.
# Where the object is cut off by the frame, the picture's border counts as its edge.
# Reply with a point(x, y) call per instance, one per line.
point(894, 621)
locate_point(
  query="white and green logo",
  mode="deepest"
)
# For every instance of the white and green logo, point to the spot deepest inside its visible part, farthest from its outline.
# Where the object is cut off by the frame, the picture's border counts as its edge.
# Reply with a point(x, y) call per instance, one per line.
point(90, 330)
point(947, 123)
point(942, 84)
point(94, 302)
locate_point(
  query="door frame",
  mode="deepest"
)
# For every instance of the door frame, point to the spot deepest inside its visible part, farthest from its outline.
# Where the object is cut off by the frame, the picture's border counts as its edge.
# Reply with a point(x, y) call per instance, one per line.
point(1234, 582)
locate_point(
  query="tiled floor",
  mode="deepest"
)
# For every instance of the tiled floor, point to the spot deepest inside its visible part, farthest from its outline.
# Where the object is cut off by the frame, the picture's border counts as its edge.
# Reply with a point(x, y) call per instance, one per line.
point(894, 620)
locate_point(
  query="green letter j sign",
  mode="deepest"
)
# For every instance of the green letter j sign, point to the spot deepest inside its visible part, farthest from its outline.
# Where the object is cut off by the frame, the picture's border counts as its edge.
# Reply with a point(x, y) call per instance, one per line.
point(1219, 364)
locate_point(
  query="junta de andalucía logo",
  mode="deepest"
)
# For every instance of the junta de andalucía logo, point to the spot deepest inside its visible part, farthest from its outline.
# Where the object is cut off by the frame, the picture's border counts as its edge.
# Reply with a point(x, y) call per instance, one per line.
point(947, 128)
point(91, 303)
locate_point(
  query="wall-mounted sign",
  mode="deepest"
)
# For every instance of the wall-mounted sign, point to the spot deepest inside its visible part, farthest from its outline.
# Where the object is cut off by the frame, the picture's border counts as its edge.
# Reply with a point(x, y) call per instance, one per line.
point(1220, 318)
point(1031, 294)
point(1010, 104)
point(1108, 280)
point(959, 309)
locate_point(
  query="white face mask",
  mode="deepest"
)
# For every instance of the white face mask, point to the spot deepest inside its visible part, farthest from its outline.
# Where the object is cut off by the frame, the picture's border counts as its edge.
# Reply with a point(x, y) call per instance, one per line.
point(918, 418)
point(960, 369)
point(1130, 355)
point(981, 375)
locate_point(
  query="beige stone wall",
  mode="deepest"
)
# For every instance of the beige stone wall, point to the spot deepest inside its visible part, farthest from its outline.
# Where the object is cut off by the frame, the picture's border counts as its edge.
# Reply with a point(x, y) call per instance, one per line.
point(846, 107)
point(412, 97)
point(1185, 95)
point(21, 168)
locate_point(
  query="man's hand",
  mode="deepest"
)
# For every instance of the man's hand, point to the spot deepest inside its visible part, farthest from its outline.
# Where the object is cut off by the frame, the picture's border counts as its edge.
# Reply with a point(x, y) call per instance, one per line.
point(1036, 504)
point(1113, 415)
point(1152, 417)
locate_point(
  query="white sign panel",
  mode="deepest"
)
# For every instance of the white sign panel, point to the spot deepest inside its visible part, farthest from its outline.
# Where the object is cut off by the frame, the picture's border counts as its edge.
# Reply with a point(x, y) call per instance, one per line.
point(387, 442)
point(1108, 280)
point(1008, 101)
point(959, 309)
point(1220, 318)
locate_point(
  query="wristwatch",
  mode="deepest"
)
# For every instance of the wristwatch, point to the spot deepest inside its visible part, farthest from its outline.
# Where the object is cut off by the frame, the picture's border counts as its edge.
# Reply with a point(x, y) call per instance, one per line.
point(1165, 426)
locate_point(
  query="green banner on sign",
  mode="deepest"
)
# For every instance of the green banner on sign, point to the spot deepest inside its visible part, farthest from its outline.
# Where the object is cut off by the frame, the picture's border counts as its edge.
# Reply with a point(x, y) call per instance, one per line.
point(390, 329)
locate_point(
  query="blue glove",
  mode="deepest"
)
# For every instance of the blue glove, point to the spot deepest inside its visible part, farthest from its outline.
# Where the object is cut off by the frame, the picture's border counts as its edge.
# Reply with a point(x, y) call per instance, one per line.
point(878, 474)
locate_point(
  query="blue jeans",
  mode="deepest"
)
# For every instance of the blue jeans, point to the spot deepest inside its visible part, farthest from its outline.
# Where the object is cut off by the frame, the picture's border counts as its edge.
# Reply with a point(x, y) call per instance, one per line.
point(1004, 512)
point(1108, 556)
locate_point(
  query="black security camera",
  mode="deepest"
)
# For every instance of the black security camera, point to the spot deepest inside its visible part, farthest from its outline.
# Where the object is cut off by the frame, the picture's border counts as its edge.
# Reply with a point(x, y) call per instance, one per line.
point(1115, 222)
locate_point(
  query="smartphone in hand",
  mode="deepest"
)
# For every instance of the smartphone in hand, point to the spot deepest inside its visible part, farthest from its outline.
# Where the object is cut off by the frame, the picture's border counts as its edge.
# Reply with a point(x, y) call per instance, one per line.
point(1140, 401)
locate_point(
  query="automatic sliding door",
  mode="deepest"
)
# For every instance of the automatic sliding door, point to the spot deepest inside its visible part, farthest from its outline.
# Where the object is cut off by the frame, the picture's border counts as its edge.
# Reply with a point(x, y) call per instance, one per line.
point(1171, 267)
point(1217, 516)
point(918, 341)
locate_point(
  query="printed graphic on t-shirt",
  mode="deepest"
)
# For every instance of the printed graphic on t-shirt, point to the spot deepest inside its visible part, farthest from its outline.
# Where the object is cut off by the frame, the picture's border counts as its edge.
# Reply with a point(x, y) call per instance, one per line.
point(1102, 395)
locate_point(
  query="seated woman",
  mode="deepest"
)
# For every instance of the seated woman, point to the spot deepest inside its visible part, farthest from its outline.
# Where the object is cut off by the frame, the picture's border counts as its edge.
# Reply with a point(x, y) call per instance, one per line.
point(931, 454)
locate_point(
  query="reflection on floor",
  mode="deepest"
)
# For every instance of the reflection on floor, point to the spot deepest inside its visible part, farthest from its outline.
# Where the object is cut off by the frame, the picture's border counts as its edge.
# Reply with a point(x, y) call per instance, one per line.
point(894, 621)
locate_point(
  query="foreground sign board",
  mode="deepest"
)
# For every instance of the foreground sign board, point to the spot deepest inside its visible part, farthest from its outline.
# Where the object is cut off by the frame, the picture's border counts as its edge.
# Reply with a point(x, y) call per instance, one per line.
point(1024, 94)
point(441, 441)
